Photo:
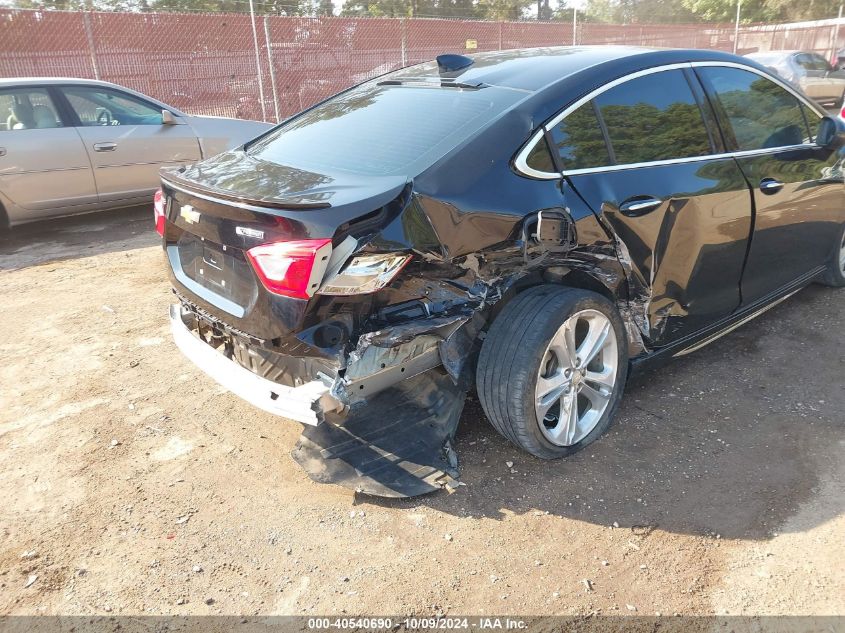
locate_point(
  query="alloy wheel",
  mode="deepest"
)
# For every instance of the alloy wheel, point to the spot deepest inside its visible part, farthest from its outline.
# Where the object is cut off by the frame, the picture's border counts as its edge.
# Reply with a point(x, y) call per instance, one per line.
point(577, 378)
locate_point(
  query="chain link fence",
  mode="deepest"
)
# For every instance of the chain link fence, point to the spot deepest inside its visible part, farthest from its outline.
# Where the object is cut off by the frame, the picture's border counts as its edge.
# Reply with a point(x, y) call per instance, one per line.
point(274, 66)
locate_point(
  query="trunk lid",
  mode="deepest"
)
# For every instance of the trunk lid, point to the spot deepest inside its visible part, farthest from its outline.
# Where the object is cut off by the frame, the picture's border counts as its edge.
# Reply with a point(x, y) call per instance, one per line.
point(219, 209)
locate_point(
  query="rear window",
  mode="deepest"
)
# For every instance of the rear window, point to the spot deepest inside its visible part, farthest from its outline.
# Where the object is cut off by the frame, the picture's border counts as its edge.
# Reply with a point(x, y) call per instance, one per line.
point(381, 130)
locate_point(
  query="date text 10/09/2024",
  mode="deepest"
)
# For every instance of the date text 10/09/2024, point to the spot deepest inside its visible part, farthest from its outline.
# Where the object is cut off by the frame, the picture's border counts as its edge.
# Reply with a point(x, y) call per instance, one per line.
point(414, 623)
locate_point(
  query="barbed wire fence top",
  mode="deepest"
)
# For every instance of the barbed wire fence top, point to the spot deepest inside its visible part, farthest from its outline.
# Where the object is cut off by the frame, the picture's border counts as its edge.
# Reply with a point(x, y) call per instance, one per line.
point(270, 66)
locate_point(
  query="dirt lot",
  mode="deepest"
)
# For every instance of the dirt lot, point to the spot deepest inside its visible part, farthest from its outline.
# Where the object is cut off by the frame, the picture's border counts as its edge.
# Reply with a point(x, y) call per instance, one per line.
point(130, 483)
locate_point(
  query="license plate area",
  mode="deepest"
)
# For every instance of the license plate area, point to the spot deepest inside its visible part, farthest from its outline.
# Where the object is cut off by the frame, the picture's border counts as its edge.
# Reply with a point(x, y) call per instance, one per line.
point(219, 269)
point(212, 269)
point(215, 260)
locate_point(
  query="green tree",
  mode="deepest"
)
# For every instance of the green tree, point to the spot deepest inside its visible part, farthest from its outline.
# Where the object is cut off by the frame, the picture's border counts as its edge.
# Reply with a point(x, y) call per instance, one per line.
point(725, 10)
point(503, 9)
point(642, 11)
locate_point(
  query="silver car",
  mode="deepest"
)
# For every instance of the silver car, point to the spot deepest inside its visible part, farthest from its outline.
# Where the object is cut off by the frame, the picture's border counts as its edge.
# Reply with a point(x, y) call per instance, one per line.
point(72, 146)
point(810, 72)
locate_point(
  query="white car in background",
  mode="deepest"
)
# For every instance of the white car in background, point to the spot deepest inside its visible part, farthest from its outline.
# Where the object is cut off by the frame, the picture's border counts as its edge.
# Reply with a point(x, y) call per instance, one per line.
point(72, 146)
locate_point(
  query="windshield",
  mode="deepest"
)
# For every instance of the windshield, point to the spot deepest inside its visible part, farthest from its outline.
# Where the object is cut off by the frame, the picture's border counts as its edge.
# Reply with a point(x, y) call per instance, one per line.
point(810, 61)
point(383, 129)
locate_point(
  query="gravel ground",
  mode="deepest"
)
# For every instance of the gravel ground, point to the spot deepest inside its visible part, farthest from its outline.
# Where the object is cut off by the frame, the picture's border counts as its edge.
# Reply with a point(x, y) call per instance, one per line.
point(133, 484)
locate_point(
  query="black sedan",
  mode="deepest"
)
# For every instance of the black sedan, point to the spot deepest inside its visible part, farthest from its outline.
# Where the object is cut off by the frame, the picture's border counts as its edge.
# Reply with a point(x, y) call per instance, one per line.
point(532, 224)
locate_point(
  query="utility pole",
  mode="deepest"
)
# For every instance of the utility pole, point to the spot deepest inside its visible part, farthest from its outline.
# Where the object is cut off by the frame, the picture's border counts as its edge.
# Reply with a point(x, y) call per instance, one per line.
point(736, 28)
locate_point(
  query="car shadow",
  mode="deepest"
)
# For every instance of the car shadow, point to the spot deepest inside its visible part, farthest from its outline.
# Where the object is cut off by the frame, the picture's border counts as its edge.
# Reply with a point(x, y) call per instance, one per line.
point(76, 237)
point(728, 441)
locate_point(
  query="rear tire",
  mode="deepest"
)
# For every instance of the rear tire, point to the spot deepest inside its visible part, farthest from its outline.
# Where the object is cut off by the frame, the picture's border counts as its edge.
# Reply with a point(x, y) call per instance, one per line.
point(835, 275)
point(532, 383)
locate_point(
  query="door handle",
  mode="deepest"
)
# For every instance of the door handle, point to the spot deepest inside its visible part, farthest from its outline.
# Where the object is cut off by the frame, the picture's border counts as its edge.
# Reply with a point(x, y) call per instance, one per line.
point(770, 185)
point(105, 147)
point(2, 151)
point(639, 205)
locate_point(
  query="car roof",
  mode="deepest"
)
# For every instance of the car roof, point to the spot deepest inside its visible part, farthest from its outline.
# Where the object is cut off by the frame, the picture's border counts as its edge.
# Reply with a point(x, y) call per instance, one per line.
point(533, 69)
point(52, 81)
point(14, 82)
point(762, 54)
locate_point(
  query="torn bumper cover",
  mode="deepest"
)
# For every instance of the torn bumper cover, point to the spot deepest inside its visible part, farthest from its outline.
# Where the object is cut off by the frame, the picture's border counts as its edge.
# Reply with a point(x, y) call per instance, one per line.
point(307, 403)
point(399, 445)
point(385, 429)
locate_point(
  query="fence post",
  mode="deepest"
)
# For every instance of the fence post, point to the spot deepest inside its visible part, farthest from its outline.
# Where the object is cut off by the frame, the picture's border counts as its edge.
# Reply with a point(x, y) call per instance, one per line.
point(736, 27)
point(258, 62)
point(89, 35)
point(403, 32)
point(500, 35)
point(272, 69)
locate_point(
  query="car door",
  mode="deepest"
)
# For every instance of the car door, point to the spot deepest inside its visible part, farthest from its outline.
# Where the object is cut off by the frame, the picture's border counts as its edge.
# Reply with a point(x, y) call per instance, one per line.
point(640, 152)
point(44, 168)
point(798, 193)
point(127, 141)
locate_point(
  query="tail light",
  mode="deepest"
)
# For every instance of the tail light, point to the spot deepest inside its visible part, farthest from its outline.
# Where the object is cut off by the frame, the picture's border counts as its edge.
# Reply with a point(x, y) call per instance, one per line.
point(366, 274)
point(293, 269)
point(159, 211)
point(842, 112)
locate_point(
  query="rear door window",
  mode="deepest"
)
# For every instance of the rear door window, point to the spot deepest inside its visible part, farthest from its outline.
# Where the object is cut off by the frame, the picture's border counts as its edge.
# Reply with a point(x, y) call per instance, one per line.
point(761, 113)
point(653, 118)
point(540, 158)
point(578, 140)
point(27, 109)
point(813, 119)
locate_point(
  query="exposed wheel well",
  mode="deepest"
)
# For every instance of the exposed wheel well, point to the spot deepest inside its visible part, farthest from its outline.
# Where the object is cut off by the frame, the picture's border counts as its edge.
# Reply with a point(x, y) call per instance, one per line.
point(4, 218)
point(584, 281)
point(571, 279)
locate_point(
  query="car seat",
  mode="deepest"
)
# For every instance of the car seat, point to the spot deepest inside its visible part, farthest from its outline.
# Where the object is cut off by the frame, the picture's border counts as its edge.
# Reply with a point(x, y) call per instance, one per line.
point(23, 113)
point(44, 117)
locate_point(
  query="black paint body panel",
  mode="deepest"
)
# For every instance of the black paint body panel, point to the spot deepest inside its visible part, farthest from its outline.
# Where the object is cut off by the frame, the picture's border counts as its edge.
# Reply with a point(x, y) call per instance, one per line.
point(715, 245)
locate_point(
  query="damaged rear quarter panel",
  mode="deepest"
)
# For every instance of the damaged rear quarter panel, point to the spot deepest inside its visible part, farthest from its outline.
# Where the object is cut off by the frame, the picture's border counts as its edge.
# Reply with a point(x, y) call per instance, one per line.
point(466, 228)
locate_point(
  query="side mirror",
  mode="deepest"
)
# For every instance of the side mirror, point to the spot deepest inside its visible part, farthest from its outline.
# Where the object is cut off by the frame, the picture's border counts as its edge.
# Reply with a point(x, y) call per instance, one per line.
point(167, 118)
point(831, 132)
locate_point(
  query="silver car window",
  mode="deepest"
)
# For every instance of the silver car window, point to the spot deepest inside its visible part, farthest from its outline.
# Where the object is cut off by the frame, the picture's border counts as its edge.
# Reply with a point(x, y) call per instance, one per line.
point(811, 61)
point(103, 106)
point(27, 109)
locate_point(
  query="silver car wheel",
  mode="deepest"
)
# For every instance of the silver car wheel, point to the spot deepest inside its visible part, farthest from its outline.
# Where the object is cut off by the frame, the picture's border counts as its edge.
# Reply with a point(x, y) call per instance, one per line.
point(577, 377)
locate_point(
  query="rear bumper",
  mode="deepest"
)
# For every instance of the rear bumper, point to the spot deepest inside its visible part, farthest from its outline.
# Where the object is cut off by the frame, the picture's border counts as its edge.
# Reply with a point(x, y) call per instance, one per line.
point(306, 404)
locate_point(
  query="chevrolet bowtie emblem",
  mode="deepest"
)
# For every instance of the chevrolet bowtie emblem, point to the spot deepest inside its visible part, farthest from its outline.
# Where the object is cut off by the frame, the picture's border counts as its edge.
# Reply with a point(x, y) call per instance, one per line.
point(190, 215)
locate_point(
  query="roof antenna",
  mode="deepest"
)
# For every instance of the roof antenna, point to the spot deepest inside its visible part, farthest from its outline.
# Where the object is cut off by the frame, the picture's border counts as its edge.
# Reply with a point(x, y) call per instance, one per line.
point(448, 65)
